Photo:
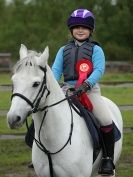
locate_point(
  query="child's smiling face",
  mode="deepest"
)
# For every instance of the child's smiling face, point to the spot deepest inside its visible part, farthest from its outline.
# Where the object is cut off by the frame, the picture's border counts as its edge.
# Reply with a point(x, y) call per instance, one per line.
point(81, 33)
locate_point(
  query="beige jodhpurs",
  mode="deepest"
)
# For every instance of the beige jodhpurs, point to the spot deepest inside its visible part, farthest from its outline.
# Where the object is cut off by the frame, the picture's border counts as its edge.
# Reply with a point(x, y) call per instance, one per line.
point(100, 109)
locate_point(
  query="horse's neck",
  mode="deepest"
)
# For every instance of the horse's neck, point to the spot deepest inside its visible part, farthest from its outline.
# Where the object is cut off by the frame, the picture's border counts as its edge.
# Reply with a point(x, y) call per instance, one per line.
point(56, 126)
point(56, 93)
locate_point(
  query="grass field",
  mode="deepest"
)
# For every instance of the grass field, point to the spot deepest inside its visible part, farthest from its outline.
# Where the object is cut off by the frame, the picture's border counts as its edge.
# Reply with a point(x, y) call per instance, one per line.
point(6, 78)
point(5, 99)
point(120, 96)
point(4, 129)
point(15, 155)
point(127, 119)
point(124, 168)
point(120, 77)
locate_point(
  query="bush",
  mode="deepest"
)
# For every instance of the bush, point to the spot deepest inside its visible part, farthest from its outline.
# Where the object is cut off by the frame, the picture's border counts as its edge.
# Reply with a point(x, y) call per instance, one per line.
point(116, 52)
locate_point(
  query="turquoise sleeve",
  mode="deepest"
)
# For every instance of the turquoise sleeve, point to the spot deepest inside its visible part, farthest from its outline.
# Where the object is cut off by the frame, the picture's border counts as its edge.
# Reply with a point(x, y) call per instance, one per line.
point(57, 67)
point(98, 60)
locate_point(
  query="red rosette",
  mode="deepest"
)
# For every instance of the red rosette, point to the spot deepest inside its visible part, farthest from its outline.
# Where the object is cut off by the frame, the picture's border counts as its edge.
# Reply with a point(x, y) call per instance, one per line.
point(84, 65)
point(84, 68)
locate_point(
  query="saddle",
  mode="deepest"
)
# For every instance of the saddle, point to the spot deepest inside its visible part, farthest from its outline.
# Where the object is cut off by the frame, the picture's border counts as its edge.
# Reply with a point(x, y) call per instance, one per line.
point(92, 125)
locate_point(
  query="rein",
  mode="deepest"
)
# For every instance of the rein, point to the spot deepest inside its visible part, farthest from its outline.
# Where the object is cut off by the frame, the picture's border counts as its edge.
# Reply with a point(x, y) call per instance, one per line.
point(40, 144)
point(34, 105)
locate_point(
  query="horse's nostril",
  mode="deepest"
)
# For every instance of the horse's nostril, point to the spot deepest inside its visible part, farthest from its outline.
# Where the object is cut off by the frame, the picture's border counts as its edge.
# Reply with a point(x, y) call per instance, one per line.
point(18, 119)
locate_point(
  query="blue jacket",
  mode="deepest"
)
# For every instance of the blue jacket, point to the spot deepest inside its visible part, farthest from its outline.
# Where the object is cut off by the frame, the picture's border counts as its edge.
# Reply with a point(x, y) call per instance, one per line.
point(98, 60)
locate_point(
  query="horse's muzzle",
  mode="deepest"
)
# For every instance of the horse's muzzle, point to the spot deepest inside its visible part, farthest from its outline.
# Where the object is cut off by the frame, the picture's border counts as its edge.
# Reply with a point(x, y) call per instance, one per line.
point(14, 121)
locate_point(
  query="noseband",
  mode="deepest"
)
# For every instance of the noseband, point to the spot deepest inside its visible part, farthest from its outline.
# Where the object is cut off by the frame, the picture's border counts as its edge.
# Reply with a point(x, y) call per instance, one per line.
point(35, 104)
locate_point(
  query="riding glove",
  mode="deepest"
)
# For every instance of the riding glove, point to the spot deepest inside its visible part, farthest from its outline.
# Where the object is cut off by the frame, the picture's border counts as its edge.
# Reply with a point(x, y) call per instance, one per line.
point(83, 88)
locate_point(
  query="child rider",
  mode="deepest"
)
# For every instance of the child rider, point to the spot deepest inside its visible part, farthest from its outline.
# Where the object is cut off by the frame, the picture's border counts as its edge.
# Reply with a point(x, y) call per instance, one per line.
point(81, 24)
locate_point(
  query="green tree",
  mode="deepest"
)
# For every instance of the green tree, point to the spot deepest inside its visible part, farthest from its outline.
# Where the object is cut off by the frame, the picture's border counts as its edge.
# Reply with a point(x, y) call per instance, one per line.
point(114, 29)
point(38, 23)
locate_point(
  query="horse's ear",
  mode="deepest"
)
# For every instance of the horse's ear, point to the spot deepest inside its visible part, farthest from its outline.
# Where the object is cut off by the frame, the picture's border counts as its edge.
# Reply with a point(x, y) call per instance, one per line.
point(44, 57)
point(45, 54)
point(23, 51)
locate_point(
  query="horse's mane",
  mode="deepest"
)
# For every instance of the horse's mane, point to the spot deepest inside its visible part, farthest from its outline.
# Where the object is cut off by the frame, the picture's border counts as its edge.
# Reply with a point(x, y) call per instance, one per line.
point(27, 61)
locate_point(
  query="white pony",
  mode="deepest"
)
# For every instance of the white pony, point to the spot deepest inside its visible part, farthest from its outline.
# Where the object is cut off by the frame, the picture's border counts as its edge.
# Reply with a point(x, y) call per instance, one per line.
point(36, 90)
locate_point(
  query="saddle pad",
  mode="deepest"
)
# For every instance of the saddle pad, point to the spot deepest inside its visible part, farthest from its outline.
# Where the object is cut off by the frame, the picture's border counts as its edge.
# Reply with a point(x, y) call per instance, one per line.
point(93, 126)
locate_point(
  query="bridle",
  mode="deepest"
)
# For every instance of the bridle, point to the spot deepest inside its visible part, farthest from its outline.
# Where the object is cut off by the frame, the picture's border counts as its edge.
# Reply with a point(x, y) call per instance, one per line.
point(35, 108)
point(35, 104)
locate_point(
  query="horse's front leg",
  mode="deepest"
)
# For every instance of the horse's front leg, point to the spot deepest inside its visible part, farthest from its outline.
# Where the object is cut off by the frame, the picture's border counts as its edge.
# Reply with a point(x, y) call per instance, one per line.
point(108, 176)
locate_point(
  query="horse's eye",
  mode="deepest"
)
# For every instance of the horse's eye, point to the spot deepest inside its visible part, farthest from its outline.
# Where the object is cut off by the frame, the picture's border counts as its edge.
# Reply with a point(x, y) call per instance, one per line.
point(36, 84)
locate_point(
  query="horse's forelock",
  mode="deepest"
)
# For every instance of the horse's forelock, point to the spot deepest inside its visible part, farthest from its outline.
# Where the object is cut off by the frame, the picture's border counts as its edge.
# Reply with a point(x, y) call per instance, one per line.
point(27, 61)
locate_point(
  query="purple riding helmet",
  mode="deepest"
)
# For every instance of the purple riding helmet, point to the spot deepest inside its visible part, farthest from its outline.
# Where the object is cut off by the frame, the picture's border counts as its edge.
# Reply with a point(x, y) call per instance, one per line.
point(81, 17)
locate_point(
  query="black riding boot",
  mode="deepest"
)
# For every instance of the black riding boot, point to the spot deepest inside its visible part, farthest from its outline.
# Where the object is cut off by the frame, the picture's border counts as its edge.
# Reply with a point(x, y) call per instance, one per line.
point(107, 166)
